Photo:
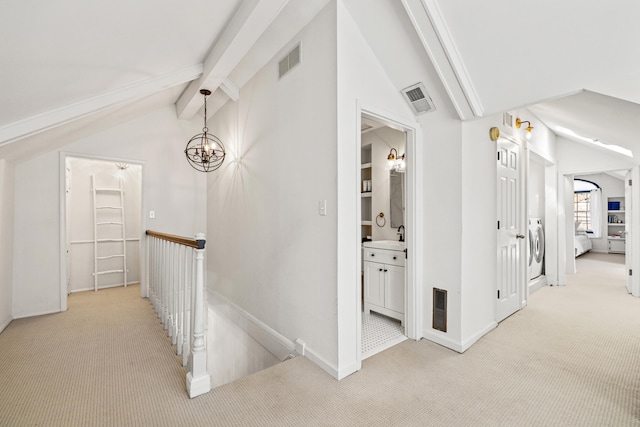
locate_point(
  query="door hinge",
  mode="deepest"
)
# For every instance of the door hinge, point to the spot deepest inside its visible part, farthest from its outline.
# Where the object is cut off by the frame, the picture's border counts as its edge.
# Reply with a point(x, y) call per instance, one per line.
point(498, 293)
point(630, 182)
point(498, 156)
point(498, 225)
point(630, 272)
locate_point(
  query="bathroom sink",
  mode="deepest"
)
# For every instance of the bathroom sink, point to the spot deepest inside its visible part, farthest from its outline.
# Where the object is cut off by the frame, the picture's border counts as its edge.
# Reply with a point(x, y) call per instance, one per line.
point(392, 245)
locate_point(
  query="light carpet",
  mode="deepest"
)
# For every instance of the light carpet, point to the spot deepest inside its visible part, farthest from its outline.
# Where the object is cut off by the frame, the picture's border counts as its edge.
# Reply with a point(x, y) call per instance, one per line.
point(570, 358)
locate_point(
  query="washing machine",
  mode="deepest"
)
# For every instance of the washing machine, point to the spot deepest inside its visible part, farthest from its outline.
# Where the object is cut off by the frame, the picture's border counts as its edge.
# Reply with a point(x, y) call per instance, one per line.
point(536, 248)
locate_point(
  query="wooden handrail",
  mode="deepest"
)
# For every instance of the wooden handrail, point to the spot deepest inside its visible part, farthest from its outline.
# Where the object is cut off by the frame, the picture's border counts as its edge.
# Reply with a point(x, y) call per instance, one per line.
point(177, 239)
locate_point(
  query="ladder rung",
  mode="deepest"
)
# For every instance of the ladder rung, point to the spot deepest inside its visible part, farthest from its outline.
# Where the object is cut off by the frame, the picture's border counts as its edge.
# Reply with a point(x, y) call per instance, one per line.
point(108, 222)
point(110, 256)
point(118, 190)
point(109, 240)
point(109, 272)
point(108, 207)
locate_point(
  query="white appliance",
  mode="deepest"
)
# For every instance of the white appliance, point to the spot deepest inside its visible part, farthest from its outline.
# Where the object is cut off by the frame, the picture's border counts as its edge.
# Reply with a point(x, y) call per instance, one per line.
point(536, 248)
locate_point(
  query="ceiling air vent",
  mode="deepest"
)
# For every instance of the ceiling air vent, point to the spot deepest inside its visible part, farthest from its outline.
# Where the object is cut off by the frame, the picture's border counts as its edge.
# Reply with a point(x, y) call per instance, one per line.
point(418, 99)
point(288, 62)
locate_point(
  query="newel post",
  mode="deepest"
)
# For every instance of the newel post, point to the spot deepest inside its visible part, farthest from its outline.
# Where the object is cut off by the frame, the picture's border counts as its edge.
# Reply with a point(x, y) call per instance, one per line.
point(198, 379)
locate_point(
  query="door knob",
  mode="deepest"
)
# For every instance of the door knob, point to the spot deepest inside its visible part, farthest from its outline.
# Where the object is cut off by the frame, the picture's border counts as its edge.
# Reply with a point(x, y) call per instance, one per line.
point(520, 236)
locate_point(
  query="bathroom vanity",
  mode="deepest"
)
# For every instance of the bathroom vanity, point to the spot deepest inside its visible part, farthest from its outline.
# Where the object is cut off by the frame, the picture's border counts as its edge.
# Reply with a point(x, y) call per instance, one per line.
point(384, 284)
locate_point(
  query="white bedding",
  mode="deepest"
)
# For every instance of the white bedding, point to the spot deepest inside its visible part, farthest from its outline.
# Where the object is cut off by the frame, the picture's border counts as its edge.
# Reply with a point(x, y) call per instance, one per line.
point(582, 244)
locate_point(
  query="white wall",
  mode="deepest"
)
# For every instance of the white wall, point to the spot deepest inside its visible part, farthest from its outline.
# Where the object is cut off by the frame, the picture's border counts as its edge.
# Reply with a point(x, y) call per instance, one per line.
point(579, 158)
point(272, 254)
point(536, 191)
point(6, 237)
point(170, 187)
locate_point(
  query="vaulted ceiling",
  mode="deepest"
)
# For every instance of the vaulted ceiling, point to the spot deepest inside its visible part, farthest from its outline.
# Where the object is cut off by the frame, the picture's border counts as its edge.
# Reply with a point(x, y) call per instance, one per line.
point(70, 66)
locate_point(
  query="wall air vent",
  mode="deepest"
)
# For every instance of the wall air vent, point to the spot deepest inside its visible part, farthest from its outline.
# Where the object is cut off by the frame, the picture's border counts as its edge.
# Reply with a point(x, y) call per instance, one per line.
point(439, 321)
point(289, 61)
point(507, 120)
point(418, 99)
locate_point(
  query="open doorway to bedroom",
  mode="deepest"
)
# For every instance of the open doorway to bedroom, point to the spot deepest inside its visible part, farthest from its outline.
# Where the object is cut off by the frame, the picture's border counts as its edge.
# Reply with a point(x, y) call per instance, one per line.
point(102, 217)
point(601, 216)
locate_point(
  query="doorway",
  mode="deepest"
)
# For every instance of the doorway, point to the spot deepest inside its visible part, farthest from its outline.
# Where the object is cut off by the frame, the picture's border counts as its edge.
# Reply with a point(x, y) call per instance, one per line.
point(388, 292)
point(101, 223)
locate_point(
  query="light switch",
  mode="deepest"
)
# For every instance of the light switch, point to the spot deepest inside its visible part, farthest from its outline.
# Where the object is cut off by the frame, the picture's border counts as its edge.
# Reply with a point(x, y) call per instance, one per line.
point(152, 214)
point(322, 207)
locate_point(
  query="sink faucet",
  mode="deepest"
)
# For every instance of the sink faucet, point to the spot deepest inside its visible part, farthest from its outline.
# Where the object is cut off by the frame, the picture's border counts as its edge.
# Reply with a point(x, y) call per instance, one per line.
point(401, 232)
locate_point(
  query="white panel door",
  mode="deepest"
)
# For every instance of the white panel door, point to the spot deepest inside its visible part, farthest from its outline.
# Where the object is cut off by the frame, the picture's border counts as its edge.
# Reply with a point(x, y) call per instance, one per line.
point(628, 231)
point(511, 261)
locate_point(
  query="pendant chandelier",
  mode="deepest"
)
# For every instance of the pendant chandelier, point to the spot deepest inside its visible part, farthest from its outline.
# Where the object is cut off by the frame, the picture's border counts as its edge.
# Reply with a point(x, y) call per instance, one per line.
point(204, 151)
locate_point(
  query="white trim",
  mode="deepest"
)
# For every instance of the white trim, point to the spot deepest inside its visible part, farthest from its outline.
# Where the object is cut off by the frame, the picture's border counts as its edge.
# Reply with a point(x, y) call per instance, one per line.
point(436, 39)
point(467, 343)
point(5, 324)
point(442, 338)
point(328, 367)
point(36, 313)
point(69, 113)
point(414, 211)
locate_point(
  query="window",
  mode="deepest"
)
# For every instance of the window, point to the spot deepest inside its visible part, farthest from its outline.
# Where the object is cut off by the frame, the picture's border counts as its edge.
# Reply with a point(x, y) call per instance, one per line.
point(584, 208)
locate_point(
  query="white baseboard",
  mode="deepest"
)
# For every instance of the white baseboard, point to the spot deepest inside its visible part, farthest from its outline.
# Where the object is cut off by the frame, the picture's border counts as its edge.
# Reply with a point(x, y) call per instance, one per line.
point(326, 366)
point(5, 324)
point(34, 314)
point(475, 337)
point(460, 347)
point(92, 288)
point(537, 283)
point(443, 340)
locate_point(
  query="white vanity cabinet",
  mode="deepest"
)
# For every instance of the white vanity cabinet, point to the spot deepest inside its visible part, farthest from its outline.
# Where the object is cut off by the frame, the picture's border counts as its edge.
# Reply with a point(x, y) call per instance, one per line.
point(384, 282)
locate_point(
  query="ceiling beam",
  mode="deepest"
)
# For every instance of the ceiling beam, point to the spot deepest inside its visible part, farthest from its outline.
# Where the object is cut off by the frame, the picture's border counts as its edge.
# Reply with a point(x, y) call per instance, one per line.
point(434, 34)
point(247, 25)
point(51, 119)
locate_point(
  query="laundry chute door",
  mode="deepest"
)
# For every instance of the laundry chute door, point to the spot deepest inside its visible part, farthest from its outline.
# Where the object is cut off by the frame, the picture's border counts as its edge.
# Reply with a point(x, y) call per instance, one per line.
point(628, 232)
point(511, 261)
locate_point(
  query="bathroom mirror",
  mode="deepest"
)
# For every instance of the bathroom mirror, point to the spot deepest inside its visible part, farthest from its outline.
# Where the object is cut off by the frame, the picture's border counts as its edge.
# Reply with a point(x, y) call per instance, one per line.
point(396, 198)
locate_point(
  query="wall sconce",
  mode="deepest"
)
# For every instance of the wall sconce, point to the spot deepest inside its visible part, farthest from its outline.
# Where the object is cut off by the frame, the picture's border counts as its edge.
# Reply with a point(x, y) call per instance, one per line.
point(396, 162)
point(204, 151)
point(494, 133)
point(528, 128)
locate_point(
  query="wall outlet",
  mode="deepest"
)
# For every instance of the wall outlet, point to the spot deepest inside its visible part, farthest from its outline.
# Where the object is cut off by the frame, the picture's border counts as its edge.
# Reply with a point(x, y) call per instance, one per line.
point(322, 207)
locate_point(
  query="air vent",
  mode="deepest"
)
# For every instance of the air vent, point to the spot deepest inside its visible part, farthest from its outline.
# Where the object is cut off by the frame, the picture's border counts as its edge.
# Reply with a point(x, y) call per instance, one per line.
point(418, 99)
point(440, 309)
point(288, 62)
point(507, 120)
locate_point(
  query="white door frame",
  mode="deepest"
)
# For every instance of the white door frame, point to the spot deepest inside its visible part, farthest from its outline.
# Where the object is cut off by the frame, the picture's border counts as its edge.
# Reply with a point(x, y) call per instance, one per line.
point(414, 211)
point(63, 221)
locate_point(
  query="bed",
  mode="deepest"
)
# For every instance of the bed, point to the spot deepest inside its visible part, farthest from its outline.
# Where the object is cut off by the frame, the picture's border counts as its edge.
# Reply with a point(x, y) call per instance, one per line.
point(582, 243)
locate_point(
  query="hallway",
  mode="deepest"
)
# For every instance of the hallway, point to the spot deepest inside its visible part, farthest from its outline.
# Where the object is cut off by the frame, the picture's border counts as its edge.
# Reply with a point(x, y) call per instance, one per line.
point(569, 358)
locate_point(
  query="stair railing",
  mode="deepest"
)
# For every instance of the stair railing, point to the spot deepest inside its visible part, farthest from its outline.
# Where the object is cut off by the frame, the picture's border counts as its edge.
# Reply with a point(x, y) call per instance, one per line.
point(176, 292)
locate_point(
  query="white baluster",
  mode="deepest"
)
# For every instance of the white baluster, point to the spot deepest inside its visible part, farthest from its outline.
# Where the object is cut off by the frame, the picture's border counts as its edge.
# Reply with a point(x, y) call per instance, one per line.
point(198, 379)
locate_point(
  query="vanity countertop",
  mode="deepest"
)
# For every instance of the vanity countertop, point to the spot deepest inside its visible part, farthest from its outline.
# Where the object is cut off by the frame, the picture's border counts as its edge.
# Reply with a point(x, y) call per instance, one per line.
point(392, 245)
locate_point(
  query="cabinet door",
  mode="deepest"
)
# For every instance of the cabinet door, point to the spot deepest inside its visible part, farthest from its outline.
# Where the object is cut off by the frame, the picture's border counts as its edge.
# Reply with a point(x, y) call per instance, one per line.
point(394, 288)
point(374, 283)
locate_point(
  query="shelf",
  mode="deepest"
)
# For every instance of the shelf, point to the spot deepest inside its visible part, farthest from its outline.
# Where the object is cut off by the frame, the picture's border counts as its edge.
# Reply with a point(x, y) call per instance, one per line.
point(366, 222)
point(366, 194)
point(365, 165)
point(615, 212)
point(616, 224)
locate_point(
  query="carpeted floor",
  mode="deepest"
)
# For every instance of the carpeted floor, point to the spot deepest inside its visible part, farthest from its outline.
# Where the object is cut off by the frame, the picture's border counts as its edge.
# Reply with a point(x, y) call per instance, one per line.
point(571, 358)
